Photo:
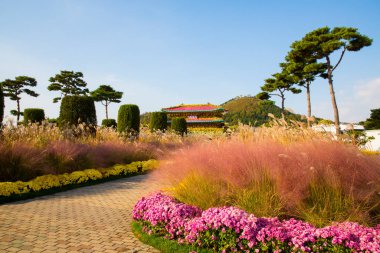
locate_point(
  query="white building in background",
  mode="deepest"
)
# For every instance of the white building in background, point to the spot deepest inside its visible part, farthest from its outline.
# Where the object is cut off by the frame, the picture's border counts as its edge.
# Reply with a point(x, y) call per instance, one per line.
point(374, 144)
point(343, 127)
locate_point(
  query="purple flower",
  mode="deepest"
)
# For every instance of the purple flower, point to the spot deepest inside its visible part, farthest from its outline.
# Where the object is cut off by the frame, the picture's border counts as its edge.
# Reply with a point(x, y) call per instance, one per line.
point(189, 224)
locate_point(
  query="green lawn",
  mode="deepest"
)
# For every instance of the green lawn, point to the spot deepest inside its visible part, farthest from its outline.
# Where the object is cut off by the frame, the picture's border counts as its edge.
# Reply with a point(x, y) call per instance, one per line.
point(162, 244)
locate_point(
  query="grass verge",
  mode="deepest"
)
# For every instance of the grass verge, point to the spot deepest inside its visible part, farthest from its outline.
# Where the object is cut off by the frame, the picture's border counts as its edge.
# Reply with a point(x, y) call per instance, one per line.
point(163, 244)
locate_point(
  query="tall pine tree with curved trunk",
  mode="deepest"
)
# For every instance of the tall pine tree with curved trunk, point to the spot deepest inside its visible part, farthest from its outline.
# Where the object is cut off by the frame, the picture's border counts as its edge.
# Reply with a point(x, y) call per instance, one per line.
point(322, 43)
point(278, 86)
point(14, 88)
point(68, 83)
point(304, 71)
point(106, 95)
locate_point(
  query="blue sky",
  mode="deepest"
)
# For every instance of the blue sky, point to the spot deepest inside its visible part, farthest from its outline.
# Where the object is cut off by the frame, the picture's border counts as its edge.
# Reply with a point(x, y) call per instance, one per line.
point(161, 53)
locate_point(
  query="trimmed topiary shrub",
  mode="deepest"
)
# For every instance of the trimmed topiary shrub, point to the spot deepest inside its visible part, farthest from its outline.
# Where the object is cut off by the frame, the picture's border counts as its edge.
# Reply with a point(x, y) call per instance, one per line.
point(33, 115)
point(128, 119)
point(109, 123)
point(1, 105)
point(77, 109)
point(158, 121)
point(179, 125)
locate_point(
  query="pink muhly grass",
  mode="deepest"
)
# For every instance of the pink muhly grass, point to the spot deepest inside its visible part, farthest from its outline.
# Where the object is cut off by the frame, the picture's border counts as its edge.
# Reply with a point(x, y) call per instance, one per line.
point(24, 161)
point(109, 153)
point(292, 168)
point(19, 161)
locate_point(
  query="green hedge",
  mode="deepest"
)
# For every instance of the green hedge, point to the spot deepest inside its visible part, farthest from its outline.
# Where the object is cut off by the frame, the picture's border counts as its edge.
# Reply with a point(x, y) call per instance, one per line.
point(1, 105)
point(109, 123)
point(128, 119)
point(33, 115)
point(9, 190)
point(158, 121)
point(77, 109)
point(179, 125)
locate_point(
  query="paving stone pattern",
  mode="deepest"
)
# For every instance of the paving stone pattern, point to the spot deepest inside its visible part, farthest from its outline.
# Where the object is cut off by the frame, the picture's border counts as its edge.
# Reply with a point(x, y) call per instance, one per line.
point(89, 219)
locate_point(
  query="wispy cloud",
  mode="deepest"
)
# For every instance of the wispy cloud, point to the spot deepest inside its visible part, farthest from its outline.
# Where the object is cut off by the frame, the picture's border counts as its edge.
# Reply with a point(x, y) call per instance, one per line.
point(356, 104)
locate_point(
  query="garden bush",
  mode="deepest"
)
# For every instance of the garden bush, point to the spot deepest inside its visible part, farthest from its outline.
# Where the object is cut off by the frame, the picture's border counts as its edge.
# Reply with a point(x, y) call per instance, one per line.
point(33, 115)
point(158, 121)
point(230, 229)
point(77, 109)
point(1, 105)
point(109, 123)
point(179, 125)
point(128, 119)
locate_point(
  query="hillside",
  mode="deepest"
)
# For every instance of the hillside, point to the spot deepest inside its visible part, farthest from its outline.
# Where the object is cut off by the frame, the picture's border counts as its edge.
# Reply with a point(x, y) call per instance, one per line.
point(250, 110)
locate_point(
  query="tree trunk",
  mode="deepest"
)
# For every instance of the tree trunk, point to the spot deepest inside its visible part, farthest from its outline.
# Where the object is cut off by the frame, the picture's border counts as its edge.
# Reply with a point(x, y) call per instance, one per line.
point(308, 103)
point(283, 106)
point(106, 111)
point(333, 100)
point(18, 110)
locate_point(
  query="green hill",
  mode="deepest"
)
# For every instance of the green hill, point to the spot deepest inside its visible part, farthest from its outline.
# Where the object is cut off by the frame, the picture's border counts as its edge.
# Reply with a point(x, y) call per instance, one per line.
point(250, 110)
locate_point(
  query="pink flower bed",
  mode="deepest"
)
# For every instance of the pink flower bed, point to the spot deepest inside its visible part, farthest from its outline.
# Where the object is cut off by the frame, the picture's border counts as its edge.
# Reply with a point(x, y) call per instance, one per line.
point(229, 229)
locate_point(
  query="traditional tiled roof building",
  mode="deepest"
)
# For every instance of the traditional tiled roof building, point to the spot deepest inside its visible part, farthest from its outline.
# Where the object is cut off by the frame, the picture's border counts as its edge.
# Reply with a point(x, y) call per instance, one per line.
point(203, 115)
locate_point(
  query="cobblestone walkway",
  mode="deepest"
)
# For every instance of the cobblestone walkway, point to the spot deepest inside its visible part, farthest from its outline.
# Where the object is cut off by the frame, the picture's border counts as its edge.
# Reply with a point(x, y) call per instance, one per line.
point(89, 219)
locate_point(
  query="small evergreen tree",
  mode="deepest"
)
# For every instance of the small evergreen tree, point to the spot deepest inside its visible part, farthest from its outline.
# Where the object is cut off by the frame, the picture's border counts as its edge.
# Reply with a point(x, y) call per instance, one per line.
point(277, 86)
point(158, 121)
point(106, 95)
point(179, 125)
point(68, 83)
point(304, 71)
point(14, 88)
point(373, 122)
point(128, 119)
point(33, 115)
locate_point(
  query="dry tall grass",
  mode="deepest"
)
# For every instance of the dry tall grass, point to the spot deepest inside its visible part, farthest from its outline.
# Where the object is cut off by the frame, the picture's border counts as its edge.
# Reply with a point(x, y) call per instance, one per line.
point(37, 149)
point(279, 171)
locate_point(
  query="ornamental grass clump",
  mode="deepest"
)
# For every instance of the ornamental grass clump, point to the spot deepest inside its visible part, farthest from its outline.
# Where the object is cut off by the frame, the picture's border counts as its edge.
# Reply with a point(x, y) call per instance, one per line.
point(319, 181)
point(230, 229)
point(24, 160)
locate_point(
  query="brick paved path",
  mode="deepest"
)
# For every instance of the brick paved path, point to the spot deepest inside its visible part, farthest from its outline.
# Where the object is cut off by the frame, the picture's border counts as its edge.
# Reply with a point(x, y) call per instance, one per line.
point(89, 219)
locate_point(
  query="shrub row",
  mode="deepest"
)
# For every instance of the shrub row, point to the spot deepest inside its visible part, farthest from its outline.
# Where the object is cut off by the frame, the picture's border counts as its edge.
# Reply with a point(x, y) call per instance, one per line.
point(81, 109)
point(47, 182)
point(229, 229)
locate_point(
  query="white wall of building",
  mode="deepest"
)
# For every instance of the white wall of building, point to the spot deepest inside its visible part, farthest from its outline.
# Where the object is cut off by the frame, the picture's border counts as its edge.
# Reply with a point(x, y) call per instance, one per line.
point(373, 145)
